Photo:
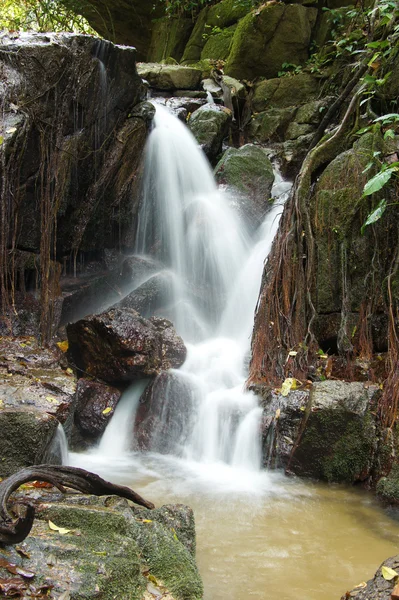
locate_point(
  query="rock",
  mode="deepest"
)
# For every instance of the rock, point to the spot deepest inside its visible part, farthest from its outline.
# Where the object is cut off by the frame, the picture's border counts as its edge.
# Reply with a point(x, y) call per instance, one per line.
point(95, 405)
point(110, 548)
point(209, 125)
point(170, 77)
point(270, 125)
point(377, 588)
point(217, 46)
point(32, 378)
point(248, 172)
point(339, 440)
point(388, 487)
point(164, 414)
point(268, 37)
point(282, 92)
point(193, 49)
point(169, 38)
point(151, 295)
point(119, 345)
point(26, 435)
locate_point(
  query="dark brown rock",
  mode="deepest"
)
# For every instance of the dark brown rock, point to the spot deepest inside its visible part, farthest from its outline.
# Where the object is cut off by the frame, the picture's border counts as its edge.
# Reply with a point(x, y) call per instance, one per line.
point(95, 405)
point(119, 345)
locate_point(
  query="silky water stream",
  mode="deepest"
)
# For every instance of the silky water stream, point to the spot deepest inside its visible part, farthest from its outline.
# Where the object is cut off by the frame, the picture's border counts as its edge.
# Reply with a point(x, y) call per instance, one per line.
point(260, 535)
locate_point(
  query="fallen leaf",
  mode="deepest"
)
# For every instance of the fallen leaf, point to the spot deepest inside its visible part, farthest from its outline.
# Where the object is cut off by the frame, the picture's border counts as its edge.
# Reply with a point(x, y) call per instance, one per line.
point(60, 530)
point(22, 551)
point(63, 346)
point(292, 353)
point(107, 410)
point(15, 569)
point(388, 573)
point(277, 415)
point(69, 371)
point(288, 385)
point(146, 521)
point(11, 130)
point(51, 399)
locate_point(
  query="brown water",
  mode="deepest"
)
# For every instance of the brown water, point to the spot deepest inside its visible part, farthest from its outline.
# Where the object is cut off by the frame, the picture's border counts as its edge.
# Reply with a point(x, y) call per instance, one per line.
point(265, 536)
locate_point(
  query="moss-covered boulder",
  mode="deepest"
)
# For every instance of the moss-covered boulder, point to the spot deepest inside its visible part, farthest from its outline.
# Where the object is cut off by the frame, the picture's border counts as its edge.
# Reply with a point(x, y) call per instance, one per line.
point(26, 436)
point(281, 92)
point(110, 550)
point(339, 440)
point(209, 125)
point(248, 172)
point(270, 125)
point(217, 46)
point(170, 77)
point(169, 38)
point(388, 487)
point(266, 38)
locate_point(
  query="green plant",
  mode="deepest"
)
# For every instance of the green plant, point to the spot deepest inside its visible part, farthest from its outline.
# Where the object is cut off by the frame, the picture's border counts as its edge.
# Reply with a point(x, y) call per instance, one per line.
point(43, 15)
point(288, 69)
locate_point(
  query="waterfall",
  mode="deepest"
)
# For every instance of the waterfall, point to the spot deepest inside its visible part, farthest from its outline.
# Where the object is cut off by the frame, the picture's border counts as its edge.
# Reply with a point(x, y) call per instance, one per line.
point(191, 227)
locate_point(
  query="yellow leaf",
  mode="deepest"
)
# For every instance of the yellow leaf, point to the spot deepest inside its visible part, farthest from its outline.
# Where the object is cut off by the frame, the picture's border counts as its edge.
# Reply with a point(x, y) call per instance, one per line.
point(60, 530)
point(51, 399)
point(69, 371)
point(147, 521)
point(288, 385)
point(277, 415)
point(388, 573)
point(100, 553)
point(63, 346)
point(107, 410)
point(22, 345)
point(324, 356)
point(292, 353)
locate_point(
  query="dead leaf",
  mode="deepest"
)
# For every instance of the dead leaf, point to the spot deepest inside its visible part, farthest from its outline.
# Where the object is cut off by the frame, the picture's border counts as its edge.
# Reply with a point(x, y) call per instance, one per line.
point(60, 530)
point(288, 385)
point(388, 573)
point(63, 346)
point(51, 399)
point(107, 410)
point(22, 551)
point(277, 415)
point(12, 587)
point(15, 569)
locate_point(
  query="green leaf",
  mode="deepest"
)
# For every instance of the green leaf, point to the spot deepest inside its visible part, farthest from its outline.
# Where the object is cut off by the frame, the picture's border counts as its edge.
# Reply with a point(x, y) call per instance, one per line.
point(388, 573)
point(1, 139)
point(388, 117)
point(377, 182)
point(372, 60)
point(389, 134)
point(375, 215)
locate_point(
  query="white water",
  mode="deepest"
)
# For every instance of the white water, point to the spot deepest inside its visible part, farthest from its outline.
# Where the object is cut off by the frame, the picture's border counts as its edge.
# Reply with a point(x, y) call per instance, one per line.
point(192, 228)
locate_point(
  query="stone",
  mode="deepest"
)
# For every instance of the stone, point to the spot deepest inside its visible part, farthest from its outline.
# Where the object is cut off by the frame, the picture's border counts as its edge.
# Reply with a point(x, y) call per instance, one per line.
point(339, 439)
point(95, 406)
point(226, 13)
point(26, 436)
point(270, 125)
point(248, 172)
point(151, 295)
point(283, 92)
point(377, 588)
point(217, 46)
point(268, 37)
point(193, 49)
point(110, 549)
point(209, 125)
point(170, 77)
point(164, 414)
point(119, 345)
point(169, 38)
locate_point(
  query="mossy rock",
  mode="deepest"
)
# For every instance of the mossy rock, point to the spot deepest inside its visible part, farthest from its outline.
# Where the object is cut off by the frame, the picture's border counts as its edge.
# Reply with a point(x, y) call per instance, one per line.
point(170, 77)
point(225, 13)
point(193, 49)
point(339, 439)
point(107, 547)
point(388, 487)
point(268, 37)
point(248, 172)
point(209, 125)
point(26, 435)
point(169, 38)
point(270, 125)
point(296, 130)
point(218, 45)
point(281, 92)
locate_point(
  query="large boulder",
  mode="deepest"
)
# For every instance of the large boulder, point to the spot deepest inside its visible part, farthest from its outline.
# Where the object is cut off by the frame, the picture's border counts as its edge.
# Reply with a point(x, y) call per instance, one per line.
point(209, 125)
point(281, 92)
point(109, 550)
point(120, 345)
point(328, 433)
point(170, 77)
point(274, 34)
point(248, 172)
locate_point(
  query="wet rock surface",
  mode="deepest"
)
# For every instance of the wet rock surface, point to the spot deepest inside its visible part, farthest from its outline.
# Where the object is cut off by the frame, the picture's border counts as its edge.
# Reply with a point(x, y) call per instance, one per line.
point(107, 549)
point(377, 588)
point(209, 125)
point(95, 405)
point(120, 345)
point(170, 77)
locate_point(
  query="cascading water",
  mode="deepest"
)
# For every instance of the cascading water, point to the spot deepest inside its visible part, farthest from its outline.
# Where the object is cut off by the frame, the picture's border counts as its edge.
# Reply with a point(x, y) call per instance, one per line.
point(193, 229)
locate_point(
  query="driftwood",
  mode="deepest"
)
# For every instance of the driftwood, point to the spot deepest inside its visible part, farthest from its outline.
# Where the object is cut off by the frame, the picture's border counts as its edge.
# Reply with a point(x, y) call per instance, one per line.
point(14, 530)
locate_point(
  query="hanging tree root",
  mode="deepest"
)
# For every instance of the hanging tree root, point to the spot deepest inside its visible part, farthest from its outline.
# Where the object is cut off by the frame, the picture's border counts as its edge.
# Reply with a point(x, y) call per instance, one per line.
point(13, 531)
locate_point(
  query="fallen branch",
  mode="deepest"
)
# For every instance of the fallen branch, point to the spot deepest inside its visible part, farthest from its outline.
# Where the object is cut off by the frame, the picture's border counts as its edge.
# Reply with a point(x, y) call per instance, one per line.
point(14, 531)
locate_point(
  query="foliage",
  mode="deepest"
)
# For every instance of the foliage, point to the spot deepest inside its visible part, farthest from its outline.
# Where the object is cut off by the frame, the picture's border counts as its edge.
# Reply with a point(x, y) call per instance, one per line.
point(43, 15)
point(176, 8)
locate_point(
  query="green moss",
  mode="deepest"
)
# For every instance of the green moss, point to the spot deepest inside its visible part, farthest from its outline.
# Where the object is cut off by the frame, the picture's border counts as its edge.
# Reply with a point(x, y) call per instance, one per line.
point(218, 45)
point(226, 13)
point(270, 125)
point(169, 38)
point(388, 487)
